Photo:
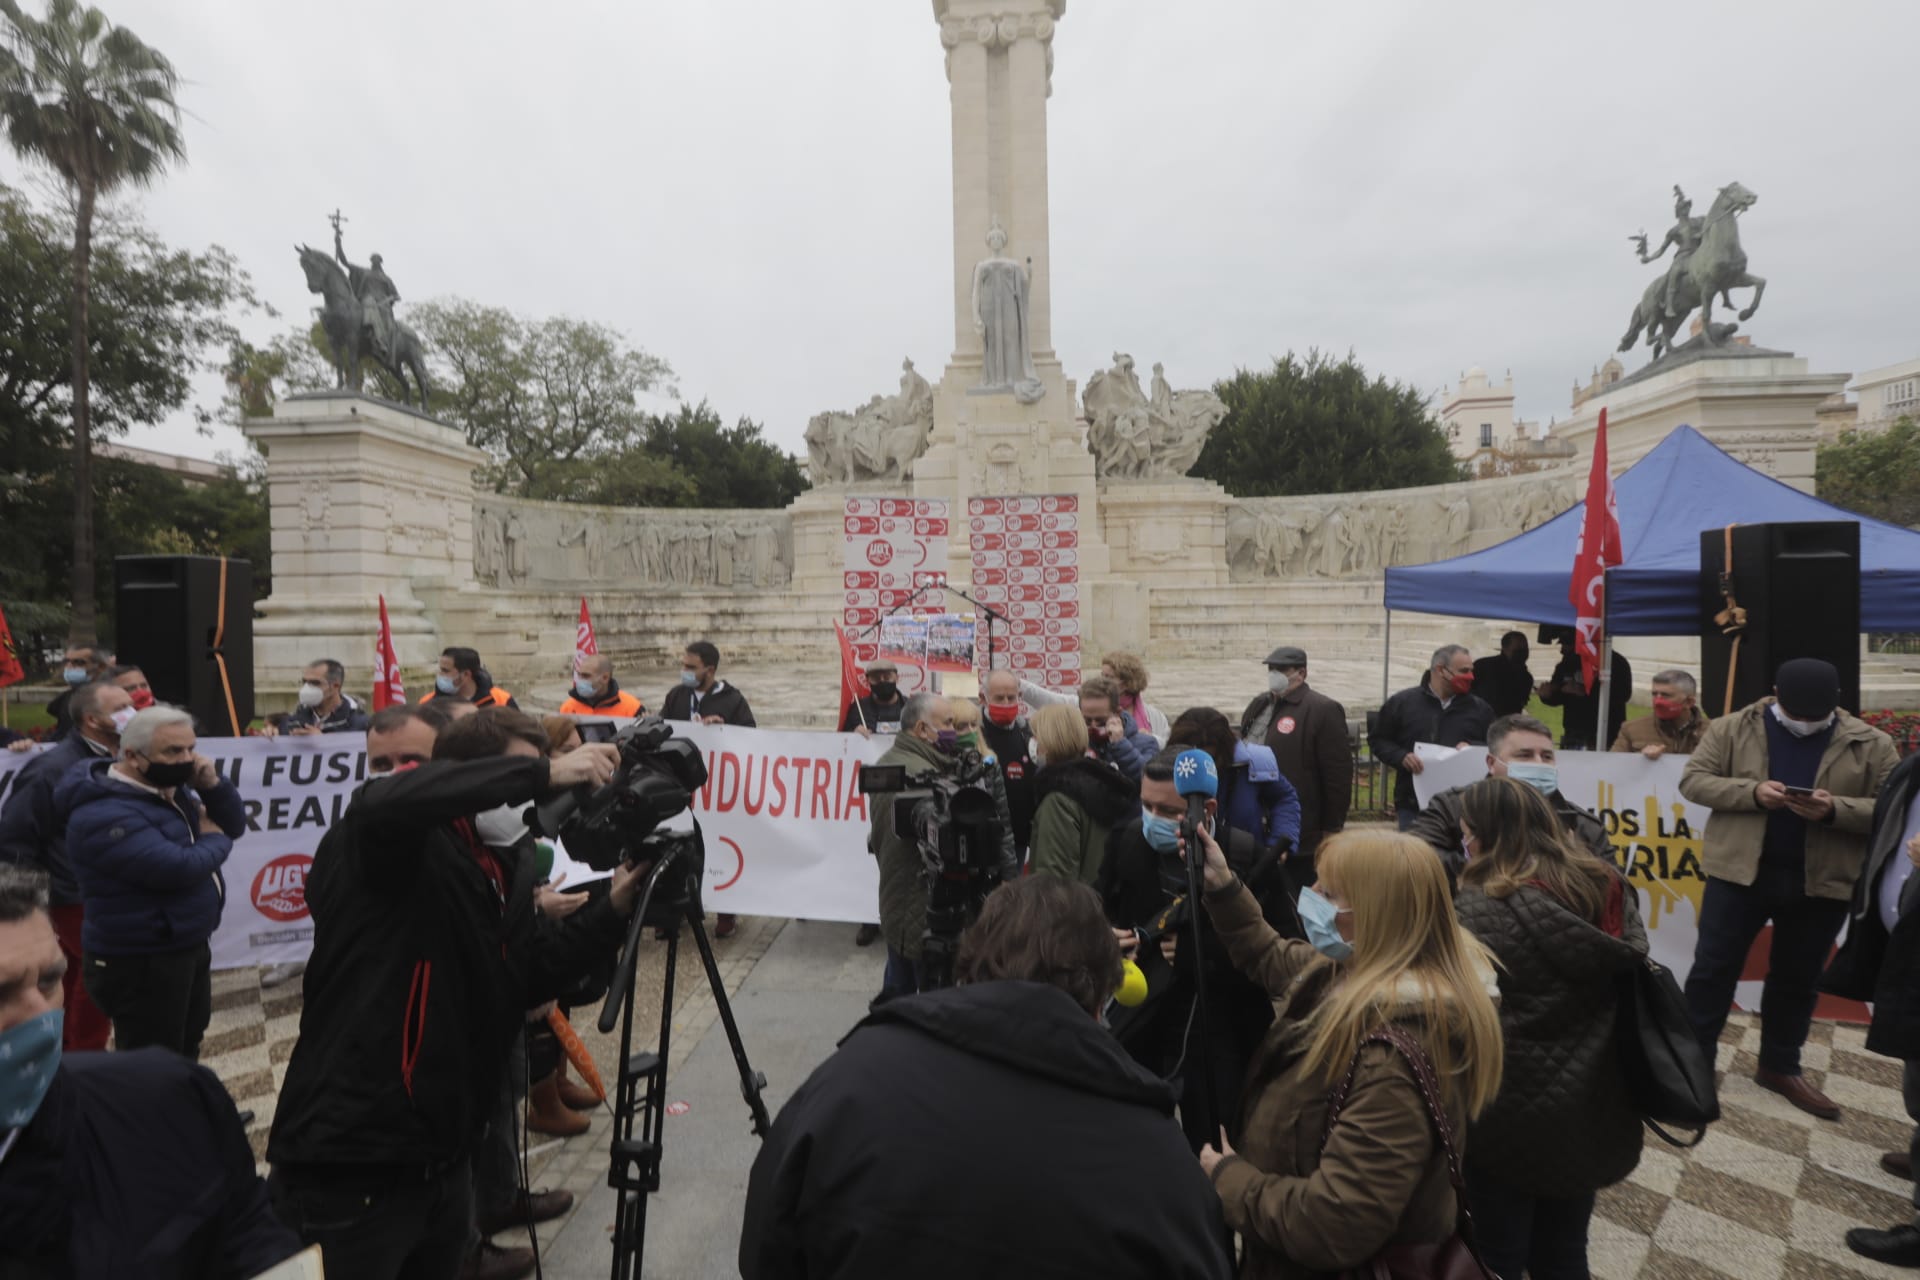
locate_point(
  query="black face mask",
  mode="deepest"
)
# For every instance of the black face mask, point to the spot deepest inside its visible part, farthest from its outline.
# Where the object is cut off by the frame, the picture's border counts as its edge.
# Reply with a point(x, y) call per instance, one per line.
point(883, 690)
point(176, 773)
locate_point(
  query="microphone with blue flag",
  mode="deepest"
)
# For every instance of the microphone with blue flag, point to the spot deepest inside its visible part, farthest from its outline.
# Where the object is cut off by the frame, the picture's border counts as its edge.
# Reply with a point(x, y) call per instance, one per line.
point(1196, 778)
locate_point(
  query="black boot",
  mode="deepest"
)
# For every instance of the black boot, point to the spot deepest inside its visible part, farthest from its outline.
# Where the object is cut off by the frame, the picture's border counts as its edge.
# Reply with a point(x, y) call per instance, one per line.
point(1897, 1247)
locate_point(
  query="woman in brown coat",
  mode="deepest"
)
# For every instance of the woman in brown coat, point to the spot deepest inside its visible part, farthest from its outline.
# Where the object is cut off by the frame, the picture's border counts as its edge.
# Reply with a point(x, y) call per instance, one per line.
point(1385, 949)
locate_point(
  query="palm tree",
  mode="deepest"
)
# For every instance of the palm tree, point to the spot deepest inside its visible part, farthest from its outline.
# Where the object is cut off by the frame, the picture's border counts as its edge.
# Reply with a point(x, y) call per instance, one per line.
point(93, 102)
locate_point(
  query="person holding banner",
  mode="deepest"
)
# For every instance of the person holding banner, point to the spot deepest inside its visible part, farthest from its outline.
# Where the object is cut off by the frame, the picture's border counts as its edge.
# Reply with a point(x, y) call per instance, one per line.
point(1440, 709)
point(1791, 781)
point(703, 696)
point(463, 677)
point(879, 711)
point(1676, 725)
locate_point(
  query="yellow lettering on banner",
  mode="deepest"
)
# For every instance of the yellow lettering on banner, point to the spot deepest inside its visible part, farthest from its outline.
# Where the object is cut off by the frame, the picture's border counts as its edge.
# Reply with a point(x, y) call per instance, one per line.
point(1657, 855)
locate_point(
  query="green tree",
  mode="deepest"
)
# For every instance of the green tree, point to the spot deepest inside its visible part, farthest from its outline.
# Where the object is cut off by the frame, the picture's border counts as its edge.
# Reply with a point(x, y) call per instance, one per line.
point(94, 103)
point(1876, 473)
point(1315, 426)
point(547, 399)
point(733, 466)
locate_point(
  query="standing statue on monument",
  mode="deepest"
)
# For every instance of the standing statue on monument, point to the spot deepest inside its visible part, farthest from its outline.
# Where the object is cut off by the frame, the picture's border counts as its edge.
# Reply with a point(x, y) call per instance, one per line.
point(1162, 396)
point(1001, 311)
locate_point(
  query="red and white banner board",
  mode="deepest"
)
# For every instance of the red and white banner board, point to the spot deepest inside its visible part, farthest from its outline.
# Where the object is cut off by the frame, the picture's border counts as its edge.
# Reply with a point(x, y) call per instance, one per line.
point(1025, 552)
point(894, 546)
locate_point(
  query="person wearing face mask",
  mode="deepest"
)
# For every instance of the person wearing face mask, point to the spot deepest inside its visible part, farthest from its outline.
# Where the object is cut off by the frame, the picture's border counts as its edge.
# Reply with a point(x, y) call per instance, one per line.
point(703, 696)
point(967, 737)
point(113, 1164)
point(879, 711)
point(925, 723)
point(1307, 733)
point(463, 677)
point(33, 834)
point(134, 681)
point(1502, 679)
point(1385, 953)
point(1440, 709)
point(1009, 738)
point(1791, 782)
point(1565, 928)
point(1057, 1155)
point(148, 834)
point(1079, 800)
point(323, 705)
point(1676, 725)
point(596, 693)
point(1521, 748)
point(83, 664)
point(1148, 913)
point(1579, 706)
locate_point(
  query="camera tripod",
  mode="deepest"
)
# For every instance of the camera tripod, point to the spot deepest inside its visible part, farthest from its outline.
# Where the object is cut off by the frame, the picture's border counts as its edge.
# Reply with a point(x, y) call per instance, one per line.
point(640, 1098)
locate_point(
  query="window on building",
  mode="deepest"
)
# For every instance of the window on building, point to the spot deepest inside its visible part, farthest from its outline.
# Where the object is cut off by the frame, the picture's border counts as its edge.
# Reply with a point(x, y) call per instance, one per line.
point(1903, 393)
point(1486, 435)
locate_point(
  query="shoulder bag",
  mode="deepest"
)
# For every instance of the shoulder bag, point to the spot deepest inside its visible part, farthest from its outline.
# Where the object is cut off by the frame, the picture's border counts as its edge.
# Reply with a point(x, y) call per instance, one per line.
point(1668, 1075)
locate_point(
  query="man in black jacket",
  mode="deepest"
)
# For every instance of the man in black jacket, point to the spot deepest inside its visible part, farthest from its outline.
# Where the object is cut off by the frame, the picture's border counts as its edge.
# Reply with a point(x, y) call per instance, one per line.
point(426, 941)
point(701, 694)
point(1145, 899)
point(1307, 733)
point(1502, 679)
point(1880, 962)
point(1517, 747)
point(121, 1164)
point(1440, 709)
point(33, 833)
point(1567, 689)
point(988, 1129)
point(1004, 728)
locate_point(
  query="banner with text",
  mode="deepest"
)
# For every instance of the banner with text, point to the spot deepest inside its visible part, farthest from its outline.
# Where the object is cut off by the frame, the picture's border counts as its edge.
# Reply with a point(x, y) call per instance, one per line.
point(784, 821)
point(1656, 835)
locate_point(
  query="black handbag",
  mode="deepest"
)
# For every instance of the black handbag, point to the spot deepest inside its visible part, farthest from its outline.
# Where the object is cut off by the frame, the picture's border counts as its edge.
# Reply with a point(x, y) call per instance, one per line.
point(1668, 1074)
point(1455, 1258)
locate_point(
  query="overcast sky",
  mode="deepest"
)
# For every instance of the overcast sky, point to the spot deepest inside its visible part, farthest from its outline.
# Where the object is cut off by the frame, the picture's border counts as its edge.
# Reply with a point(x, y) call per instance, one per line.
point(758, 190)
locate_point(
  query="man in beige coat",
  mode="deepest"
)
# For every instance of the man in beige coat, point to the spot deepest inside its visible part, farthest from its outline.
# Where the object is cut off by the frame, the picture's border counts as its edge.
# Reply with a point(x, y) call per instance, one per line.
point(1791, 781)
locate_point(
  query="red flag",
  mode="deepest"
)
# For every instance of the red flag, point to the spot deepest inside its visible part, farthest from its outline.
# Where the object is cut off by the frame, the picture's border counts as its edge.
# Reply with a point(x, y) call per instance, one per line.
point(1598, 548)
point(11, 671)
point(853, 682)
point(583, 641)
point(387, 689)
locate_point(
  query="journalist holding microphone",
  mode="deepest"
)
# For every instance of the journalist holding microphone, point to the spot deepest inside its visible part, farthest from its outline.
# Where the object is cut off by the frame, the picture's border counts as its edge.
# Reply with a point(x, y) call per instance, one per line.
point(427, 952)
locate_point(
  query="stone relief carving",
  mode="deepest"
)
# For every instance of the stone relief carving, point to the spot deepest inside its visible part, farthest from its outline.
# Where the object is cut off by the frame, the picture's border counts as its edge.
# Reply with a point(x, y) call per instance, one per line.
point(1135, 436)
point(517, 544)
point(881, 440)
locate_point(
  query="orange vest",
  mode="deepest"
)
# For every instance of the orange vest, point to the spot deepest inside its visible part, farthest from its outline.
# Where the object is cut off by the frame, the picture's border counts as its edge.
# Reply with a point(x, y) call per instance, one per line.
point(495, 696)
point(625, 707)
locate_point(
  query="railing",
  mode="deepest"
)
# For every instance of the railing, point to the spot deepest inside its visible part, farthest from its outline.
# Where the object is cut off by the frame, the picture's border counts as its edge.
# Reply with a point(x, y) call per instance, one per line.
point(1894, 643)
point(1372, 782)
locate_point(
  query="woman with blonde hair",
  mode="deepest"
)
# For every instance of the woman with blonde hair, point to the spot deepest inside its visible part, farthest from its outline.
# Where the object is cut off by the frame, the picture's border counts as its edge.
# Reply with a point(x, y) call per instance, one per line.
point(1388, 987)
point(1078, 800)
point(1564, 926)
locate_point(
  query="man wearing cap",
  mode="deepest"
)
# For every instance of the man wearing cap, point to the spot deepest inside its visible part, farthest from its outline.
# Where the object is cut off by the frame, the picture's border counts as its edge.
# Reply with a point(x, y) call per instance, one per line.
point(1307, 732)
point(1791, 781)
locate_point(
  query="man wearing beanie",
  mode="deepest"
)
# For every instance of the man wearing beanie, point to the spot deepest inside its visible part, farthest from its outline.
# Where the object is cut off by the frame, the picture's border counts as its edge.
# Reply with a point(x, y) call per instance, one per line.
point(1791, 781)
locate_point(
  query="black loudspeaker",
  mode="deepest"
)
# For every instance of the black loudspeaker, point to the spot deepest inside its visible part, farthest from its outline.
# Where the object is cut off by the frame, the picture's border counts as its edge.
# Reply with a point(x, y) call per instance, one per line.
point(169, 615)
point(1800, 586)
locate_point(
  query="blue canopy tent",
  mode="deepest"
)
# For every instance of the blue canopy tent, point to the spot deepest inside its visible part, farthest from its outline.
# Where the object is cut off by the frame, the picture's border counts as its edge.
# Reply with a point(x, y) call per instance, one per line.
point(1685, 486)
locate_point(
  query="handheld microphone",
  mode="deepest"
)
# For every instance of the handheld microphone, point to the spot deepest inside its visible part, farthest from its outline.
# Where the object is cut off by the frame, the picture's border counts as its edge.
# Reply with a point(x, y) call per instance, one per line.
point(1196, 778)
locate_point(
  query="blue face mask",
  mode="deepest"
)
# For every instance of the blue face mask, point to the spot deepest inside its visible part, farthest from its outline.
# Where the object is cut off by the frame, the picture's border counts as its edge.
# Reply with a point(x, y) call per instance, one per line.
point(31, 1054)
point(1161, 833)
point(583, 688)
point(74, 675)
point(689, 679)
point(1543, 778)
point(446, 684)
point(1319, 915)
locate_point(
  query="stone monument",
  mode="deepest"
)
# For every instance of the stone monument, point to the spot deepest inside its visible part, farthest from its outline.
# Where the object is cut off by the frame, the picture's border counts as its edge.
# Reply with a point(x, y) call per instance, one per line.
point(357, 314)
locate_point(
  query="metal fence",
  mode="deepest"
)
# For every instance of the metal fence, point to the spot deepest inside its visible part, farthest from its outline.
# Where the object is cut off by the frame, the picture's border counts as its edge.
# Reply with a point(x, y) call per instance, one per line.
point(1895, 642)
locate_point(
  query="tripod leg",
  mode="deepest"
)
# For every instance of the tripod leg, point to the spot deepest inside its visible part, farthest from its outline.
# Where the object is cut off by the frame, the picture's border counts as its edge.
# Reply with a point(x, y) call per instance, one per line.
point(751, 1081)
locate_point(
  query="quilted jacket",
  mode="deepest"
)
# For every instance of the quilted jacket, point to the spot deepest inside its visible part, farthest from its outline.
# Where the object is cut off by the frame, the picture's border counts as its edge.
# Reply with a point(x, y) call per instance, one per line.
point(1562, 1125)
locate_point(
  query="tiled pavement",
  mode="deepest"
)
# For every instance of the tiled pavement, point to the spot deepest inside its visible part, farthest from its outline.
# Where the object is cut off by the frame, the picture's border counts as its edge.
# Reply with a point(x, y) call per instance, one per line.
point(1767, 1196)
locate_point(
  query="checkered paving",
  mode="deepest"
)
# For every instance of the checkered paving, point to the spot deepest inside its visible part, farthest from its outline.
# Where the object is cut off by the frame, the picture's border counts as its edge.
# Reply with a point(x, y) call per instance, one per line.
point(1769, 1195)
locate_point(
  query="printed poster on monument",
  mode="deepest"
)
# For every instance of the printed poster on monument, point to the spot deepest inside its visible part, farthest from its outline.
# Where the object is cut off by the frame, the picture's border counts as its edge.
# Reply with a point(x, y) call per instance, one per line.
point(1025, 551)
point(894, 547)
point(950, 643)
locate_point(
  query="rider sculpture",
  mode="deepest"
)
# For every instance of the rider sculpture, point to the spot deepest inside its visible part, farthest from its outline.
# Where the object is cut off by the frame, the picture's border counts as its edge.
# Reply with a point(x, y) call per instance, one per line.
point(1684, 236)
point(377, 294)
point(1708, 262)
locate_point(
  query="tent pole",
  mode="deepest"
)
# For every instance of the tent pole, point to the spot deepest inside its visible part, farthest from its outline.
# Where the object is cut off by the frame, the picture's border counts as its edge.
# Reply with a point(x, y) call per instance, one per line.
point(1601, 740)
point(1386, 659)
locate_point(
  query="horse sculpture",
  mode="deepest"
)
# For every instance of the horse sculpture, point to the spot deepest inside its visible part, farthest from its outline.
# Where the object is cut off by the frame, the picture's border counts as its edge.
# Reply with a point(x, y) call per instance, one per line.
point(1719, 264)
point(350, 335)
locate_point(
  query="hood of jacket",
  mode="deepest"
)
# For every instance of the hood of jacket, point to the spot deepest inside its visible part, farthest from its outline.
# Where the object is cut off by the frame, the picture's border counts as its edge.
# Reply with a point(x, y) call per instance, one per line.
point(1034, 1028)
point(1096, 787)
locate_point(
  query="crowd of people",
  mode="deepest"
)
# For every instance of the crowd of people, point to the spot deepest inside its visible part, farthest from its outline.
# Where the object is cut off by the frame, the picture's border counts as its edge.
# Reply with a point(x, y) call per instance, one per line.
point(1350, 1037)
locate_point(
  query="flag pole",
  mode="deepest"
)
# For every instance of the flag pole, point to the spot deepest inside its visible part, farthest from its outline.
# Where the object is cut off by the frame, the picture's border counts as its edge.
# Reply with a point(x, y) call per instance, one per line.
point(1605, 682)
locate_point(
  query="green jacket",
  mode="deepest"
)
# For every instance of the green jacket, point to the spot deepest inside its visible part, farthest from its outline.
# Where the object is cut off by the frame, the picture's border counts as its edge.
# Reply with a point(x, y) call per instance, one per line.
point(1731, 761)
point(1081, 802)
point(903, 884)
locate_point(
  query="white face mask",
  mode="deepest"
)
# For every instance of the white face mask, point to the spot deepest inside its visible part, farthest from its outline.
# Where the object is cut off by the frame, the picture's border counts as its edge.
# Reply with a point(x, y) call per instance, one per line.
point(312, 695)
point(1801, 728)
point(501, 827)
point(122, 718)
point(1277, 681)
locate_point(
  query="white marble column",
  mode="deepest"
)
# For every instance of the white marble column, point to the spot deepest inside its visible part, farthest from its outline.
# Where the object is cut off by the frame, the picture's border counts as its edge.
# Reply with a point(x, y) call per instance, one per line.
point(1029, 60)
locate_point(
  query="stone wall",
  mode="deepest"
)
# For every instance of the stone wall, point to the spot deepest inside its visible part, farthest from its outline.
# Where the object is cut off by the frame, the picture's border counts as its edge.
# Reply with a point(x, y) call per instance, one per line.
point(519, 542)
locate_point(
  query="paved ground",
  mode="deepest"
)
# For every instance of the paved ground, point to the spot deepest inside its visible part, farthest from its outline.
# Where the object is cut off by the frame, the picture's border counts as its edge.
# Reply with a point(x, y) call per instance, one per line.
point(1767, 1196)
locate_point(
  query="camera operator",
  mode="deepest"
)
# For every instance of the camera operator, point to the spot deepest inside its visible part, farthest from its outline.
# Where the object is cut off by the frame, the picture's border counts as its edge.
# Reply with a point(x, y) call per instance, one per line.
point(427, 940)
point(987, 1129)
point(112, 1164)
point(1143, 887)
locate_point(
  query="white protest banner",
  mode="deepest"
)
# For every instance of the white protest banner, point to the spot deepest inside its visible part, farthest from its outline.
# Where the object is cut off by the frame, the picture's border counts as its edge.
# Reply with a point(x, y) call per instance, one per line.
point(1444, 768)
point(294, 788)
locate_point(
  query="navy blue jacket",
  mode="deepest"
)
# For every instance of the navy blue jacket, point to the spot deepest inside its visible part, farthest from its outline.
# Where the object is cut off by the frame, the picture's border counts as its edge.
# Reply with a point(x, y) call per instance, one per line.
point(1129, 754)
point(148, 875)
point(1258, 799)
point(136, 1165)
point(33, 833)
